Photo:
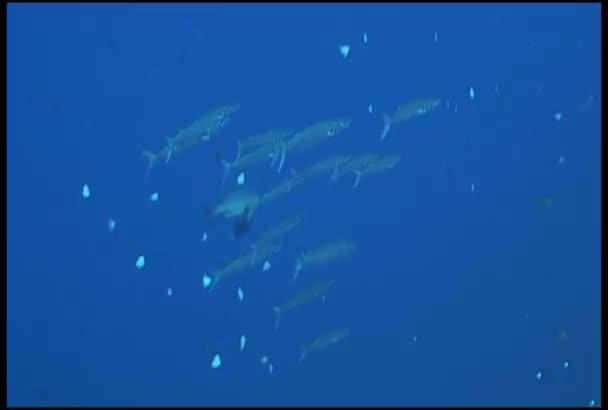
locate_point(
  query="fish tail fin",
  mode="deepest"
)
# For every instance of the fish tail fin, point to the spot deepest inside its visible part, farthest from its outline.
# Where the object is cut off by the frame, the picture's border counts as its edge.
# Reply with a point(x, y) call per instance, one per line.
point(298, 268)
point(386, 128)
point(357, 179)
point(303, 354)
point(151, 157)
point(227, 165)
point(277, 316)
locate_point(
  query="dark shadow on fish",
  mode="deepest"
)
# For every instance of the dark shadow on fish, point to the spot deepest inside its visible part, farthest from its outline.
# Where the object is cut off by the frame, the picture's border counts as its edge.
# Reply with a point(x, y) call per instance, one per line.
point(242, 224)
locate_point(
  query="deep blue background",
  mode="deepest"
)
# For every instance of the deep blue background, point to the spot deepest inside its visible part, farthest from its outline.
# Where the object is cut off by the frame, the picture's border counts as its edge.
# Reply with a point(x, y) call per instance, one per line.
point(485, 280)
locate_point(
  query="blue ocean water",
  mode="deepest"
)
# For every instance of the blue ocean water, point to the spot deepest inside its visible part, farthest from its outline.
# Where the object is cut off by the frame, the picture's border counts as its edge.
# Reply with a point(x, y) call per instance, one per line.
point(479, 255)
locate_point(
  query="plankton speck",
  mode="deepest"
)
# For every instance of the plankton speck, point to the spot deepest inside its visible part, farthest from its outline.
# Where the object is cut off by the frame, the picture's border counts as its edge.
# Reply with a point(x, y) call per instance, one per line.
point(344, 50)
point(216, 362)
point(111, 224)
point(86, 192)
point(140, 262)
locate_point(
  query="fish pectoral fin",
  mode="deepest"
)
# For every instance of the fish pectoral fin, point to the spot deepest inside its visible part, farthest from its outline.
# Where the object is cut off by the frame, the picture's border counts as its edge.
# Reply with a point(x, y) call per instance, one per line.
point(274, 155)
point(297, 269)
point(303, 353)
point(277, 316)
point(357, 179)
point(283, 154)
point(334, 175)
point(171, 146)
point(386, 128)
point(151, 157)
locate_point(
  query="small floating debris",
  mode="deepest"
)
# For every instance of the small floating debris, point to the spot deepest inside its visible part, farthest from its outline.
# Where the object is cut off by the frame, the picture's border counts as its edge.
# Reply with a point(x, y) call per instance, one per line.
point(141, 262)
point(154, 196)
point(204, 238)
point(266, 266)
point(240, 294)
point(169, 291)
point(561, 160)
point(566, 364)
point(558, 116)
point(472, 187)
point(111, 224)
point(365, 37)
point(206, 281)
point(216, 362)
point(415, 338)
point(592, 403)
point(370, 109)
point(264, 359)
point(539, 375)
point(86, 192)
point(344, 50)
point(270, 368)
point(436, 38)
point(243, 342)
point(471, 93)
point(241, 178)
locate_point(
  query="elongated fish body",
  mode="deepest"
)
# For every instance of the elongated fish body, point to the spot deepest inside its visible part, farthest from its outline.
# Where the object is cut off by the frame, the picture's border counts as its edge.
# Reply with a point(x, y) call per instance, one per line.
point(356, 163)
point(317, 133)
point(189, 137)
point(267, 138)
point(380, 164)
point(236, 203)
point(244, 262)
point(306, 295)
point(282, 188)
point(324, 341)
point(280, 229)
point(408, 111)
point(414, 109)
point(244, 161)
point(328, 252)
point(207, 125)
point(325, 253)
point(325, 166)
